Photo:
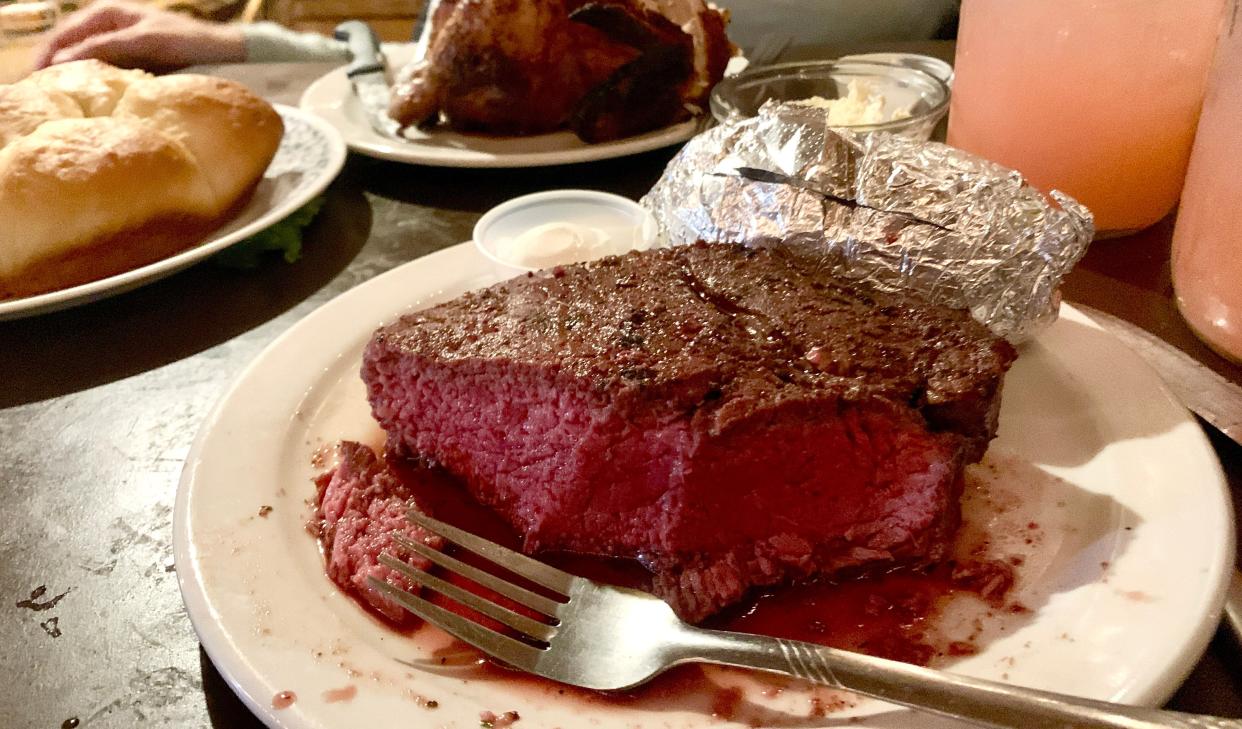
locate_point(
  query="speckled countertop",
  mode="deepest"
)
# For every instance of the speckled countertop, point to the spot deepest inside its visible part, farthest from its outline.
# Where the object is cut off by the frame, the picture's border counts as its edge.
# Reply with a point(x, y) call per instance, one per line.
point(99, 406)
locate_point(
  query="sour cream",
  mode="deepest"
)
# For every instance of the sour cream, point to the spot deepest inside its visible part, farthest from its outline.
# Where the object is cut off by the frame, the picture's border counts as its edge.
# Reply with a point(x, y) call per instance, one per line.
point(561, 227)
point(555, 243)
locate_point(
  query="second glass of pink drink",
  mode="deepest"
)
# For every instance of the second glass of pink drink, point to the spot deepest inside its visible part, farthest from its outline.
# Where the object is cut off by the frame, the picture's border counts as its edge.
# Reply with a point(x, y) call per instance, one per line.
point(1098, 99)
point(1207, 242)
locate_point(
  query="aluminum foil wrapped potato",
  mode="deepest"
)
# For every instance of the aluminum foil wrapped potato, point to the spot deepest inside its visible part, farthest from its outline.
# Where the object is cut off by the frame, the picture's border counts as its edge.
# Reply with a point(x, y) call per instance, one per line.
point(895, 213)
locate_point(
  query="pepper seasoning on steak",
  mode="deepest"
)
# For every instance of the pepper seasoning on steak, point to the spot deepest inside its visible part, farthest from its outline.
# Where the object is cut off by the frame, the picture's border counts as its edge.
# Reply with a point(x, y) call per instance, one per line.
point(731, 417)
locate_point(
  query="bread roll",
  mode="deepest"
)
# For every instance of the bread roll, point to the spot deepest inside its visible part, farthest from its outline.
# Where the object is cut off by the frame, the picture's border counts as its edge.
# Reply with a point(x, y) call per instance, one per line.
point(103, 170)
point(24, 106)
point(94, 85)
point(225, 127)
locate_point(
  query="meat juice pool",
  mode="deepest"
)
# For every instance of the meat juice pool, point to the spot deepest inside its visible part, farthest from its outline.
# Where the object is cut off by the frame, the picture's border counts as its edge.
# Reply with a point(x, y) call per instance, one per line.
point(901, 614)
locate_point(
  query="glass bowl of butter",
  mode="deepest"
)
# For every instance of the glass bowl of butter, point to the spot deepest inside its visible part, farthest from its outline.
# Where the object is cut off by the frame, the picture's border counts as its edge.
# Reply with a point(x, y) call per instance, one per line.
point(862, 96)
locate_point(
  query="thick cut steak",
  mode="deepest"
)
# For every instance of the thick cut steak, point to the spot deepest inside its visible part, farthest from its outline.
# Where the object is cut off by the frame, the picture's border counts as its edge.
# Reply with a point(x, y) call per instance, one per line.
point(731, 417)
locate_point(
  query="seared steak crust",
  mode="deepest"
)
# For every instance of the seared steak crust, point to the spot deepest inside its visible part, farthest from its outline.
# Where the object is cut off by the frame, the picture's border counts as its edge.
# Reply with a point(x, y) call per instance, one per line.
point(731, 416)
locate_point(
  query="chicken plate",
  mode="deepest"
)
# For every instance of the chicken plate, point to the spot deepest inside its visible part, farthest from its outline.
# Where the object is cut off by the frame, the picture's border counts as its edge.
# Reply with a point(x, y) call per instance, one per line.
point(605, 69)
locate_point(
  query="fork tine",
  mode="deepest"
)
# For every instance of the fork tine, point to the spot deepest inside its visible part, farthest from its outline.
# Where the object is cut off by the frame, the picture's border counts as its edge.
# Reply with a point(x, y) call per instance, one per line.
point(519, 594)
point(533, 570)
point(518, 622)
point(510, 650)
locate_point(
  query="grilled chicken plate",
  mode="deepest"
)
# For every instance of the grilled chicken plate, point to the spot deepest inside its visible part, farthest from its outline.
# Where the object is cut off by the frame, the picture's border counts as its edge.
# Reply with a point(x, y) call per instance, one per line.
point(605, 69)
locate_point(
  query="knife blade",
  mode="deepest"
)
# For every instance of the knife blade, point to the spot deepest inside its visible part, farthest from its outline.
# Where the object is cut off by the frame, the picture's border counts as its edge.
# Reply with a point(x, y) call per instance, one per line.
point(1202, 391)
point(1233, 606)
point(368, 74)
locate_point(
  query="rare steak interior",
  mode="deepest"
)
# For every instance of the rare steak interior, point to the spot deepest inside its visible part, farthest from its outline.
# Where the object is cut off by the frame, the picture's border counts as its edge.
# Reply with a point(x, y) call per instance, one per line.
point(730, 417)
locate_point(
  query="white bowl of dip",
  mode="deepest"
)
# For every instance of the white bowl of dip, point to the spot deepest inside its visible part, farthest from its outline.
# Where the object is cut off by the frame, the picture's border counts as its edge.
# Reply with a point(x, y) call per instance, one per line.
point(560, 227)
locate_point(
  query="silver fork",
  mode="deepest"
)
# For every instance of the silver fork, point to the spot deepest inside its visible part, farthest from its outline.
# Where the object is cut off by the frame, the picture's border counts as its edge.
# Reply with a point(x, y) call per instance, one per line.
point(607, 638)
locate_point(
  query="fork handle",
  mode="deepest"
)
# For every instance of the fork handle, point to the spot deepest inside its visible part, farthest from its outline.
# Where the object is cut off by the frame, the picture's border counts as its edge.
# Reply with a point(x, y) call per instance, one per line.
point(986, 703)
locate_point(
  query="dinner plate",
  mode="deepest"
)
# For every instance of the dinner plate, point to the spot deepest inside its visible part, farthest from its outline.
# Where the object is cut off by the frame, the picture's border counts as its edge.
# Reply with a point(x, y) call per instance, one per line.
point(332, 99)
point(310, 156)
point(1131, 588)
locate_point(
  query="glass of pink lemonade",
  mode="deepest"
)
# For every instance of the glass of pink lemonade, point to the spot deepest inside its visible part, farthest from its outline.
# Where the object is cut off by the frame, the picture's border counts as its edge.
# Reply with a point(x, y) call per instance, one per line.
point(1097, 99)
point(1207, 240)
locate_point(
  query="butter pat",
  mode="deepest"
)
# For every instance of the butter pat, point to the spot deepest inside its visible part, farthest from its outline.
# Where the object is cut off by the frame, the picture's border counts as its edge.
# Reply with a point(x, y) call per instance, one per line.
point(862, 105)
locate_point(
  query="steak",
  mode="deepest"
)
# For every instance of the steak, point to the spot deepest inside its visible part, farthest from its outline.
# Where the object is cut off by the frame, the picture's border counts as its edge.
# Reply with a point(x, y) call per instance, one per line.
point(731, 417)
point(360, 504)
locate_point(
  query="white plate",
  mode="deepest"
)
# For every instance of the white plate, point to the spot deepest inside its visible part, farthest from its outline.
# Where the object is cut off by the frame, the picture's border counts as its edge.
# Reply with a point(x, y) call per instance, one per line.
point(310, 156)
point(1145, 494)
point(332, 98)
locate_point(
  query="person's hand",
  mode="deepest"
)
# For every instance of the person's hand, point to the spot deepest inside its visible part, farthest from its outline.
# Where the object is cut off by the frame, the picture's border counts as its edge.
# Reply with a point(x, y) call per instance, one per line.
point(139, 36)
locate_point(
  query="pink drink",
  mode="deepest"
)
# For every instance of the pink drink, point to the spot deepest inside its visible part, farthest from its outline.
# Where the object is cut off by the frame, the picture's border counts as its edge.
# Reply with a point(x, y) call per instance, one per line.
point(1097, 99)
point(1207, 242)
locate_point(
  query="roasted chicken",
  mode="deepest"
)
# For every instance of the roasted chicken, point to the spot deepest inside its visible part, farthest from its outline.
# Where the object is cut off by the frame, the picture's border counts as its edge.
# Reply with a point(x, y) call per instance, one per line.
point(604, 68)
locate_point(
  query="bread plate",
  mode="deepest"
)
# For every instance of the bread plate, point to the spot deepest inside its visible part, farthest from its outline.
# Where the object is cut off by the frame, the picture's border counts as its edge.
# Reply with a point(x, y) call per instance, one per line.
point(310, 156)
point(332, 99)
point(1133, 595)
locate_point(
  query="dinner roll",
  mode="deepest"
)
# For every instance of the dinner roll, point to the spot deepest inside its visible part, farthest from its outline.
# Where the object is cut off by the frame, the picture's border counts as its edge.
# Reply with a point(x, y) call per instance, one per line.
point(104, 170)
point(227, 128)
point(94, 85)
point(24, 106)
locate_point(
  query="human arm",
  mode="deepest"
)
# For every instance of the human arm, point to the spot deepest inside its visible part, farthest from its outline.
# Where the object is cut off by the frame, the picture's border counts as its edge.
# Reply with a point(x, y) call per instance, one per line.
point(136, 35)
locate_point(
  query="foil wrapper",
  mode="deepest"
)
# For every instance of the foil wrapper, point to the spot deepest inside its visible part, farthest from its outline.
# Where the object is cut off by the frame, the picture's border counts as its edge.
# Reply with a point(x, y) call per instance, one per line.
point(891, 212)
